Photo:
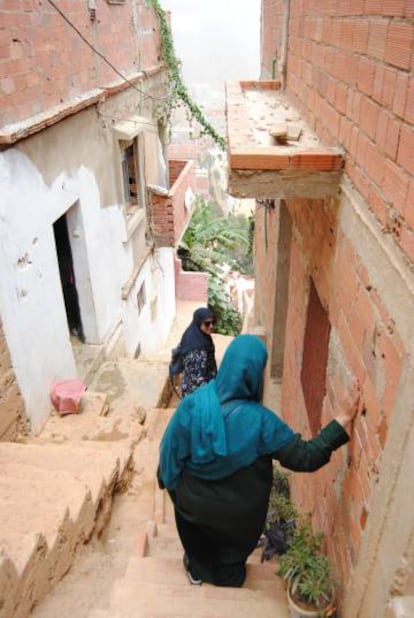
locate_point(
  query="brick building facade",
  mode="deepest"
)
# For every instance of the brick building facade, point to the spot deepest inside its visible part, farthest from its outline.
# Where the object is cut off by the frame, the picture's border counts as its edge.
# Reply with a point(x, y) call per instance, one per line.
point(334, 277)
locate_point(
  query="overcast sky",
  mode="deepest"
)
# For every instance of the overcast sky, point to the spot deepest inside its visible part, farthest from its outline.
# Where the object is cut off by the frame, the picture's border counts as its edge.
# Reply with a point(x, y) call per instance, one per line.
point(217, 40)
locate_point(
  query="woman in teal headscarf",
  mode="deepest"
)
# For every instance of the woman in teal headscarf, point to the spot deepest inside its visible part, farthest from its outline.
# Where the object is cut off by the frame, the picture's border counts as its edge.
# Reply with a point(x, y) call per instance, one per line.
point(216, 462)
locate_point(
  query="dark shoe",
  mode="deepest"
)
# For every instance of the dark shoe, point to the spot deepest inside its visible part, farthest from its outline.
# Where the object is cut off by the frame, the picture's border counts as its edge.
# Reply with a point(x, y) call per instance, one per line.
point(191, 579)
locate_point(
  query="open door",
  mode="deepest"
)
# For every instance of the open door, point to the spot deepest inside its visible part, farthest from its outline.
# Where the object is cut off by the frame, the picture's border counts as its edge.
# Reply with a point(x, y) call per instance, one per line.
point(67, 277)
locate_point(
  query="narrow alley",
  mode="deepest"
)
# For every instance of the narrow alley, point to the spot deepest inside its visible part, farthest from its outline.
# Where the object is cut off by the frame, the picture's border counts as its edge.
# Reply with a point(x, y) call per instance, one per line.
point(109, 160)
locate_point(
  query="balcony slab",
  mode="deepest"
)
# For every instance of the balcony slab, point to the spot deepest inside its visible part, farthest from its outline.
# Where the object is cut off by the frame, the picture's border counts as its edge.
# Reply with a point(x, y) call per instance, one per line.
point(272, 151)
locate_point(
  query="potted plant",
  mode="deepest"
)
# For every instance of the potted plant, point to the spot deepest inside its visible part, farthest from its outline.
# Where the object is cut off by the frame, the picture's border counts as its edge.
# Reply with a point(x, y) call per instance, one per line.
point(306, 569)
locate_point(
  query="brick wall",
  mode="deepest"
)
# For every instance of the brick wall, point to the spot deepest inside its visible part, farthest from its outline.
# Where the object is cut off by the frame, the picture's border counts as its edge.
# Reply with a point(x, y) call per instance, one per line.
point(44, 61)
point(271, 42)
point(365, 343)
point(170, 215)
point(350, 71)
point(350, 74)
point(190, 285)
point(196, 150)
point(11, 404)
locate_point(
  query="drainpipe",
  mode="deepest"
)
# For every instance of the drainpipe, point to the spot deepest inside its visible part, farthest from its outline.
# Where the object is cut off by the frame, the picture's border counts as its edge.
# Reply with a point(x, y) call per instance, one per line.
point(284, 44)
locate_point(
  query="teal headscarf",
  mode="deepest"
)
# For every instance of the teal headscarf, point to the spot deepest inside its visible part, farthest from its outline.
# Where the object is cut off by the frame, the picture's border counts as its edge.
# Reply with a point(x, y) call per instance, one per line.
point(221, 427)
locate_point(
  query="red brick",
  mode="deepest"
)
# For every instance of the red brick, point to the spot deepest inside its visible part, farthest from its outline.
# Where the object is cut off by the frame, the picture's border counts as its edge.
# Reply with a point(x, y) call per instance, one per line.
point(409, 209)
point(372, 7)
point(354, 105)
point(369, 116)
point(409, 8)
point(393, 8)
point(257, 158)
point(360, 38)
point(372, 408)
point(39, 38)
point(317, 160)
point(378, 84)
point(360, 318)
point(378, 206)
point(5, 38)
point(406, 149)
point(366, 75)
point(370, 159)
point(395, 185)
point(387, 134)
point(377, 37)
point(345, 130)
point(400, 94)
point(399, 44)
point(409, 108)
point(388, 91)
point(7, 86)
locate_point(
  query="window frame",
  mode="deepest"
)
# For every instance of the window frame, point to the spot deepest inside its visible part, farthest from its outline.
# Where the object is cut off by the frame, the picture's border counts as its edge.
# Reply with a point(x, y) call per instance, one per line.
point(133, 203)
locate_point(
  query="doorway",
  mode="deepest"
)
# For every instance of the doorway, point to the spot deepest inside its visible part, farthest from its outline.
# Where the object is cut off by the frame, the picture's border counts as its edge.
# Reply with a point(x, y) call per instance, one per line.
point(67, 278)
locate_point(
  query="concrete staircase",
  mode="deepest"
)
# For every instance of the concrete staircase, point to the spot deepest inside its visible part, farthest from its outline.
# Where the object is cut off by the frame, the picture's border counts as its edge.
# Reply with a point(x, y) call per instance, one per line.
point(155, 584)
point(53, 498)
point(57, 492)
point(57, 489)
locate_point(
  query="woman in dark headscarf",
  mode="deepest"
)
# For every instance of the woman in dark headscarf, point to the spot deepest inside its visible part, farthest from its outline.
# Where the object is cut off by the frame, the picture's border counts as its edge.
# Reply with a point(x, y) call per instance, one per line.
point(216, 462)
point(198, 352)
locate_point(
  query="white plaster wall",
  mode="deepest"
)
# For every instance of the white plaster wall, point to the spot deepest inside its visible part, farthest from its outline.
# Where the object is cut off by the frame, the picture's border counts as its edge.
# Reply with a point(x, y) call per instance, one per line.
point(101, 262)
point(150, 331)
point(32, 309)
point(31, 299)
point(166, 307)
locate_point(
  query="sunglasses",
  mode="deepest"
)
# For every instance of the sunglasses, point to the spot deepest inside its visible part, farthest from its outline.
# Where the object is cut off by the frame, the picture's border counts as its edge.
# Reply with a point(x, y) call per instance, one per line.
point(209, 322)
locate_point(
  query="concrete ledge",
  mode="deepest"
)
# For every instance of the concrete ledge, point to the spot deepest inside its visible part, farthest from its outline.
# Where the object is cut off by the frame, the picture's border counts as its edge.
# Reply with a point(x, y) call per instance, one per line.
point(282, 166)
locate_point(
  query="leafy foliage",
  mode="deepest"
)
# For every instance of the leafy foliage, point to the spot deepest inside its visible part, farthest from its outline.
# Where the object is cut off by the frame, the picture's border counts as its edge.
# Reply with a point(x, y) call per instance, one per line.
point(306, 567)
point(229, 321)
point(280, 518)
point(208, 244)
point(177, 89)
point(211, 239)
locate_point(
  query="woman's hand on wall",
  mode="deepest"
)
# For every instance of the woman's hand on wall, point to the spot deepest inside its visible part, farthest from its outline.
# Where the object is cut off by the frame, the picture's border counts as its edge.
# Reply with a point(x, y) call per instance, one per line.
point(349, 405)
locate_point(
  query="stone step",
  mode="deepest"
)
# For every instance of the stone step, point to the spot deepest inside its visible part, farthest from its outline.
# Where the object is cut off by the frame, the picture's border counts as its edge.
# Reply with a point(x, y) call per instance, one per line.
point(153, 569)
point(102, 613)
point(90, 424)
point(41, 506)
point(88, 461)
point(165, 547)
point(53, 498)
point(146, 599)
point(133, 381)
point(157, 423)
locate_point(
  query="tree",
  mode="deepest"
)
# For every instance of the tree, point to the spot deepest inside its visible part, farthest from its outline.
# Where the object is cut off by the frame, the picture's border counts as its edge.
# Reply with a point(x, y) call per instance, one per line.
point(210, 245)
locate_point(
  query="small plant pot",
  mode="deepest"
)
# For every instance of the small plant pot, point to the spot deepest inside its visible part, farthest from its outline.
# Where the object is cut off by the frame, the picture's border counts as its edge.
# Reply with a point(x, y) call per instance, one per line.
point(301, 611)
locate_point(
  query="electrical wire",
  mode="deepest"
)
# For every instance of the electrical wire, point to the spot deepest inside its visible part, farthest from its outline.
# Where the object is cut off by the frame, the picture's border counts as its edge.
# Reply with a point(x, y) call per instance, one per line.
point(101, 55)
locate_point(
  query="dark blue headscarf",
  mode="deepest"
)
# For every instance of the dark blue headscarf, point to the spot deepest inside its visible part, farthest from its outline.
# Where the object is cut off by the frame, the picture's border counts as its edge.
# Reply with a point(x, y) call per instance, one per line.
point(222, 427)
point(193, 338)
